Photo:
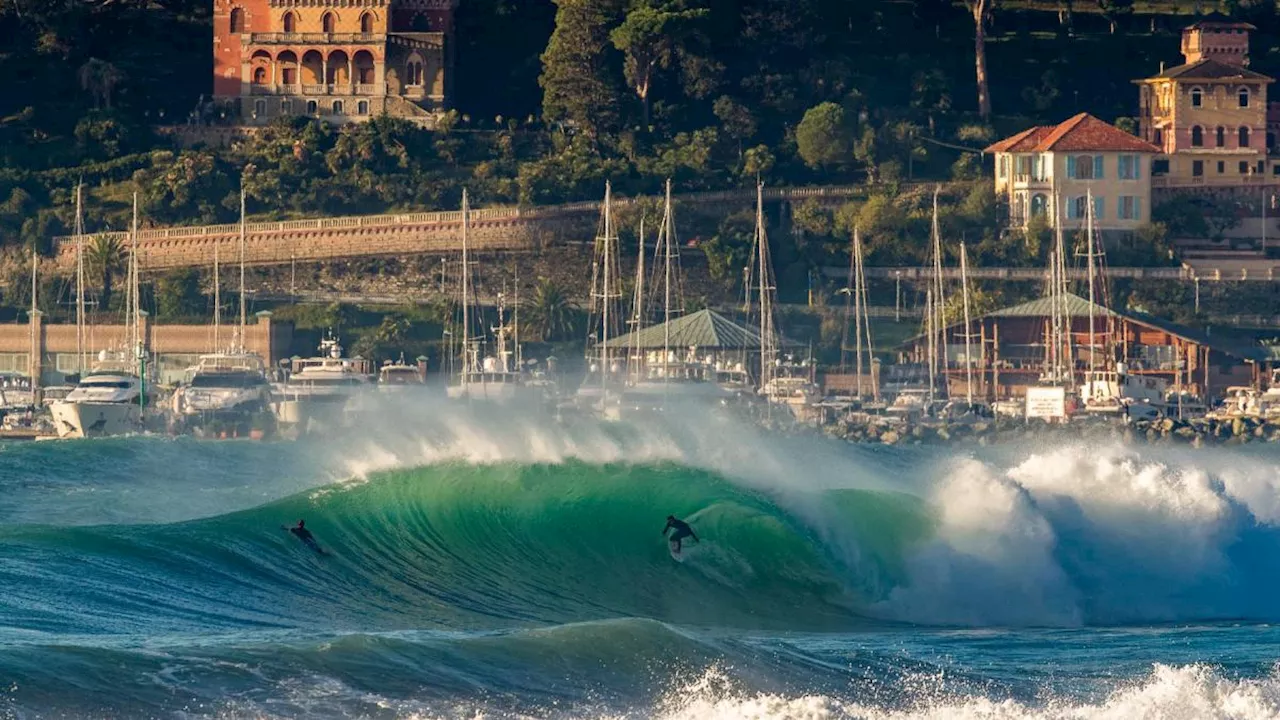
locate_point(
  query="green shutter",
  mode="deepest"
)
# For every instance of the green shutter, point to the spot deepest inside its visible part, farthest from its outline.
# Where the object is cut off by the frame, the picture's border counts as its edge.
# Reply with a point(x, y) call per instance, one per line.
point(1098, 173)
point(1071, 167)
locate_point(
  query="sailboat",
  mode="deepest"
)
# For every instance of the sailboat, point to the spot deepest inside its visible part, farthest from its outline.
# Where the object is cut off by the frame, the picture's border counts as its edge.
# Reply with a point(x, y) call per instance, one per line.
point(110, 399)
point(780, 384)
point(601, 388)
point(1109, 388)
point(230, 384)
point(495, 377)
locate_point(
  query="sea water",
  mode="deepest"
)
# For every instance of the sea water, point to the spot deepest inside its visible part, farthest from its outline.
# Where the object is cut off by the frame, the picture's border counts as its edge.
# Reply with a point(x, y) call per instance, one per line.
point(502, 564)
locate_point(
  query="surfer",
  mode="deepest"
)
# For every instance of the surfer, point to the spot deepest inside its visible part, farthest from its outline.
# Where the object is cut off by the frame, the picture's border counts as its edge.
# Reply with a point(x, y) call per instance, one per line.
point(682, 531)
point(305, 536)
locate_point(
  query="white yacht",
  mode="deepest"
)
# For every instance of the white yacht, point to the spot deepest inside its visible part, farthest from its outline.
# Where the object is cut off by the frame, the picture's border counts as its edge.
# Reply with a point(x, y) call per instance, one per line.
point(107, 401)
point(320, 388)
point(17, 392)
point(231, 384)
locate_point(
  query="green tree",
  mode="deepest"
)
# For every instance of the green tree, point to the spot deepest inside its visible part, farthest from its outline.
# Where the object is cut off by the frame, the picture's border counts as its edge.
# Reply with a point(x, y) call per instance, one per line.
point(100, 78)
point(729, 251)
point(178, 294)
point(737, 120)
point(549, 314)
point(105, 259)
point(577, 82)
point(649, 38)
point(823, 137)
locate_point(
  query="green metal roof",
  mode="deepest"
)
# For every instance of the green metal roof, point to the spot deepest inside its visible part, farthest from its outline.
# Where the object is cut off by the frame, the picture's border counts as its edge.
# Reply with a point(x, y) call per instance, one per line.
point(703, 329)
point(1076, 306)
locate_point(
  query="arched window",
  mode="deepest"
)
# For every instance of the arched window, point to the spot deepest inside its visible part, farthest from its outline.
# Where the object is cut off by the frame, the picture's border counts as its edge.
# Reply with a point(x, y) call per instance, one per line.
point(290, 22)
point(1221, 136)
point(1244, 97)
point(421, 23)
point(328, 22)
point(362, 107)
point(312, 107)
point(259, 108)
point(413, 72)
point(286, 107)
point(366, 23)
point(1197, 136)
point(1197, 97)
point(237, 21)
point(1039, 205)
point(1244, 137)
point(337, 107)
point(259, 76)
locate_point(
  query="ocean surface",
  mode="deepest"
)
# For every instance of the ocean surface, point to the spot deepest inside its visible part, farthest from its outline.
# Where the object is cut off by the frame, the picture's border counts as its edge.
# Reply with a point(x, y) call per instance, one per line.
point(506, 565)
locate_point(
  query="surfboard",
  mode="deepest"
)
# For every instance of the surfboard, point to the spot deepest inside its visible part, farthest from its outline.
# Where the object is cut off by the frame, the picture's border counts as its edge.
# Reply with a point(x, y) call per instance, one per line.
point(675, 554)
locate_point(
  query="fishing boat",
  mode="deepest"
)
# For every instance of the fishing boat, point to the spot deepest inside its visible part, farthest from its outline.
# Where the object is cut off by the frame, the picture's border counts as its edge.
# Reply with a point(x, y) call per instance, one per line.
point(399, 375)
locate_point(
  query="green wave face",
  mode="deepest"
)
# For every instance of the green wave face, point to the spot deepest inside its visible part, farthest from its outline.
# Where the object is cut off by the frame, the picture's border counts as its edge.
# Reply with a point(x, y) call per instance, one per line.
point(491, 546)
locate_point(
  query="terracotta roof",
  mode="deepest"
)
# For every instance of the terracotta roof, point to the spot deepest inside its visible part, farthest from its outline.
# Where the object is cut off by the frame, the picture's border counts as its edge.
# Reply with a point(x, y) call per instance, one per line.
point(1082, 132)
point(1209, 69)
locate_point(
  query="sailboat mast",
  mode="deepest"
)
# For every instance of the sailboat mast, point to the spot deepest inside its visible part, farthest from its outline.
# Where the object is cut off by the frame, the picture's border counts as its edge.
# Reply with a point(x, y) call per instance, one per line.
point(466, 292)
point(604, 313)
point(767, 348)
point(80, 360)
point(638, 306)
point(135, 315)
point(1089, 255)
point(939, 298)
point(240, 331)
point(968, 364)
point(668, 228)
point(857, 308)
point(933, 340)
point(217, 301)
point(866, 317)
point(35, 310)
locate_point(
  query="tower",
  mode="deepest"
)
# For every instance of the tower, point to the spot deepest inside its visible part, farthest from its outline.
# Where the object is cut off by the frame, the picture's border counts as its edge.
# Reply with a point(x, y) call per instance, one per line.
point(1217, 37)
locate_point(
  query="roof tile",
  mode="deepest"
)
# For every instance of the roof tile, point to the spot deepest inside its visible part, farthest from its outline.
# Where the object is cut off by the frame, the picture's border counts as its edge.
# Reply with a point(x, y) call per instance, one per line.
point(1082, 132)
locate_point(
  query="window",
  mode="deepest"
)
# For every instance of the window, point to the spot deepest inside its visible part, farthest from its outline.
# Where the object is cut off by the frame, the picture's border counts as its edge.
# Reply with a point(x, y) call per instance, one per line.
point(1002, 167)
point(413, 73)
point(290, 22)
point(366, 23)
point(1099, 208)
point(1077, 207)
point(1039, 205)
point(1084, 167)
point(337, 107)
point(1244, 167)
point(327, 23)
point(1197, 168)
point(1244, 137)
point(289, 76)
point(1262, 167)
point(1275, 169)
point(1222, 136)
point(237, 21)
point(1197, 136)
point(1157, 138)
point(1197, 97)
point(362, 107)
point(259, 108)
point(1130, 207)
point(286, 107)
point(259, 76)
point(1129, 167)
point(312, 107)
point(1244, 97)
point(1222, 167)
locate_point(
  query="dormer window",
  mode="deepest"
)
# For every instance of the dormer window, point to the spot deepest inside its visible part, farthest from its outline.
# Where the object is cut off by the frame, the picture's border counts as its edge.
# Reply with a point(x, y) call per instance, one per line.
point(1197, 97)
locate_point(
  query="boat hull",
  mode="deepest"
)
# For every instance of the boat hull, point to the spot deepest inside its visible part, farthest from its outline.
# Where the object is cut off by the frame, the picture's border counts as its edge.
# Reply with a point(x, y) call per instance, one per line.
point(94, 419)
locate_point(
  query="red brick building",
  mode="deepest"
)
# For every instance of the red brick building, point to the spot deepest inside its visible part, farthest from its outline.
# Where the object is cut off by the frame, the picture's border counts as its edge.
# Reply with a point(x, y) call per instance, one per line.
point(339, 60)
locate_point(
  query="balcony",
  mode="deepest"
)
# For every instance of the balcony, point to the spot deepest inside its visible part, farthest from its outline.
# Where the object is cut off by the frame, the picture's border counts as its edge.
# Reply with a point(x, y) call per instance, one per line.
point(314, 38)
point(366, 89)
point(1027, 180)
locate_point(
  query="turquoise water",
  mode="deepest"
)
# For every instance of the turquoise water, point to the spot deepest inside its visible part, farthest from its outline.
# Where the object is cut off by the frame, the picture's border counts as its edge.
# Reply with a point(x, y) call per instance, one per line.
point(506, 566)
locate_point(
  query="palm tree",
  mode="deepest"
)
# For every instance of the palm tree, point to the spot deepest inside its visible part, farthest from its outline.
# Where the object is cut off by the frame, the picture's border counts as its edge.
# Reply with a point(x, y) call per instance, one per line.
point(105, 258)
point(99, 79)
point(549, 313)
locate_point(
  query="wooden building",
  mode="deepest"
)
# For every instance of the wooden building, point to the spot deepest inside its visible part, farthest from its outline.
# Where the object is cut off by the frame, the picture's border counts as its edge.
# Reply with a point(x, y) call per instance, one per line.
point(1009, 347)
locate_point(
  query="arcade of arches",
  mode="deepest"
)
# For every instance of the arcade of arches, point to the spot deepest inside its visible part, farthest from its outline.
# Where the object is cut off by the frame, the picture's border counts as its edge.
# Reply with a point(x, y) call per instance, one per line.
point(340, 60)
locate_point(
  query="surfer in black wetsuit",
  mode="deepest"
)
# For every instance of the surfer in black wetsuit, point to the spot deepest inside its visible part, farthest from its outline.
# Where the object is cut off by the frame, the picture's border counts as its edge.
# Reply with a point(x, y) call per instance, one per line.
point(305, 536)
point(682, 531)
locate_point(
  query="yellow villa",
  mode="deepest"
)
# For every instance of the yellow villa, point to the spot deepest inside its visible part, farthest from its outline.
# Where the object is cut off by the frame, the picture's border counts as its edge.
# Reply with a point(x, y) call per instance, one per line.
point(1079, 158)
point(1208, 116)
